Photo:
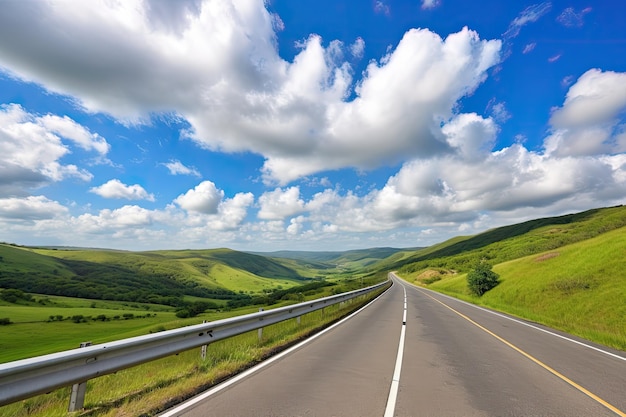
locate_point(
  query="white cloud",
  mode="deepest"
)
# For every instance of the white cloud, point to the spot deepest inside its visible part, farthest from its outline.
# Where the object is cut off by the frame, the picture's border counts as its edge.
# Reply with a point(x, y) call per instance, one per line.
point(177, 168)
point(498, 111)
point(554, 58)
point(403, 101)
point(567, 80)
point(471, 135)
point(204, 198)
point(279, 204)
point(226, 79)
point(357, 49)
point(31, 148)
point(430, 4)
point(589, 122)
point(30, 208)
point(381, 7)
point(69, 129)
point(571, 19)
point(529, 48)
point(597, 97)
point(231, 212)
point(116, 189)
point(123, 217)
point(529, 15)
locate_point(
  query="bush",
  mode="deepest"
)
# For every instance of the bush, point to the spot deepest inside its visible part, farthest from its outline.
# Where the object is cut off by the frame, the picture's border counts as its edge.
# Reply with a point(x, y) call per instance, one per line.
point(12, 295)
point(481, 279)
point(5, 321)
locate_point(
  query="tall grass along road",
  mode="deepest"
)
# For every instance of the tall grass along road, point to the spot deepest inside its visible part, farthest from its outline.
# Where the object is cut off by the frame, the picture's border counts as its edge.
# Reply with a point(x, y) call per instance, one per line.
point(456, 360)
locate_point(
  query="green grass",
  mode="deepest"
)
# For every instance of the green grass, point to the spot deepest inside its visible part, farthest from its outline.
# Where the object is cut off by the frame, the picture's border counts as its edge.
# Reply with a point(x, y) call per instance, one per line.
point(32, 335)
point(579, 288)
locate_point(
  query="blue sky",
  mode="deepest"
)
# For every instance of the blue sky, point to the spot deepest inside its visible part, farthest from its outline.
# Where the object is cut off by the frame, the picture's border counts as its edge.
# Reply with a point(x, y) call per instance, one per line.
point(304, 125)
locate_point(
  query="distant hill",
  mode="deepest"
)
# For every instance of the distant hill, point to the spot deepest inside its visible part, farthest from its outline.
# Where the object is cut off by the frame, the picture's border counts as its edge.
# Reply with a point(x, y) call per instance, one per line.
point(160, 277)
point(357, 258)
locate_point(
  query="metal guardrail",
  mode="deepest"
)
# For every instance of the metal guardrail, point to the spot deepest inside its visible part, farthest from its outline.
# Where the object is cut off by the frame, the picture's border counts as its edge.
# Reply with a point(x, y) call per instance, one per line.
point(43, 374)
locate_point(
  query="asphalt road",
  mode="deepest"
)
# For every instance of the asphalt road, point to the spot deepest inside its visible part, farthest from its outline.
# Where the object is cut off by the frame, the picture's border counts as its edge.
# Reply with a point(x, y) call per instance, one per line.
point(418, 353)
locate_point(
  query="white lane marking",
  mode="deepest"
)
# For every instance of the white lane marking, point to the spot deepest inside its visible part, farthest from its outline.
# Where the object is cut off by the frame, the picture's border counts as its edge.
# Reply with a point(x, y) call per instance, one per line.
point(395, 381)
point(187, 404)
point(521, 322)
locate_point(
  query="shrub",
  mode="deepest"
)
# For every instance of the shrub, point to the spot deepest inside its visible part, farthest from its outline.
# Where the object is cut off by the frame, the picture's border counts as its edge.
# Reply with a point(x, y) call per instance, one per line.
point(481, 278)
point(5, 321)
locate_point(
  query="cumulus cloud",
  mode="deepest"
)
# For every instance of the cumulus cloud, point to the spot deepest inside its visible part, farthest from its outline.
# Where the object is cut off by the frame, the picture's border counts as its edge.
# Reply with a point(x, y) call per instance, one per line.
point(597, 97)
point(231, 213)
point(178, 168)
point(279, 204)
point(116, 189)
point(590, 122)
point(31, 148)
point(225, 77)
point(30, 208)
point(204, 198)
point(172, 16)
point(69, 129)
point(123, 217)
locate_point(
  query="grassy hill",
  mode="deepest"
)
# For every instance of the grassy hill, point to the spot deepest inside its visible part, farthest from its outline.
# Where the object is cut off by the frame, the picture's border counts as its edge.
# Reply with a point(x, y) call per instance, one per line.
point(511, 242)
point(352, 259)
point(157, 277)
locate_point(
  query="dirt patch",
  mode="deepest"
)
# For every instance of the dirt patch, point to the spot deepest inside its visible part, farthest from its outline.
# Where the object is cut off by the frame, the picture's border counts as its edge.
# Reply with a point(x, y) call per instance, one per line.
point(430, 273)
point(546, 256)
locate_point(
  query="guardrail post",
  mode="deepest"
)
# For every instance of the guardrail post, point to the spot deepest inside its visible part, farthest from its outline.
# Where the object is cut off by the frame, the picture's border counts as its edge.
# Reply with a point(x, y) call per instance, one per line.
point(260, 331)
point(203, 348)
point(77, 399)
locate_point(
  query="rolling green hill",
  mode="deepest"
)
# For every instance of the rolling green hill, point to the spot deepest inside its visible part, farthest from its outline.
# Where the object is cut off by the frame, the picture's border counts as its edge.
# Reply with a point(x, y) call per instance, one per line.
point(158, 277)
point(351, 259)
point(512, 242)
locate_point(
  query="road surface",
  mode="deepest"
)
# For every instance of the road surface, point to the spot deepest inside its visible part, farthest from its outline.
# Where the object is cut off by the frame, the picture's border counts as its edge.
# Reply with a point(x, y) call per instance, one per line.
point(414, 352)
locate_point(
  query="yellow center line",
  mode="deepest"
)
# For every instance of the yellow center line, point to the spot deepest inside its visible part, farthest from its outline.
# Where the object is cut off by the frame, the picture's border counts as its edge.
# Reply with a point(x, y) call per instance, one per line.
point(537, 361)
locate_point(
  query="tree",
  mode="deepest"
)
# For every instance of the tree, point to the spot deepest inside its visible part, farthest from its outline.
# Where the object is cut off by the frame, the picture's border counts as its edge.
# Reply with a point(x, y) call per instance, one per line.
point(481, 279)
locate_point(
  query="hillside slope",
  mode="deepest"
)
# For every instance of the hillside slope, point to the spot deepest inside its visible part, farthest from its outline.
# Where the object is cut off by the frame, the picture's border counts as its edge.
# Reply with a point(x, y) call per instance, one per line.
point(351, 259)
point(512, 242)
point(158, 277)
